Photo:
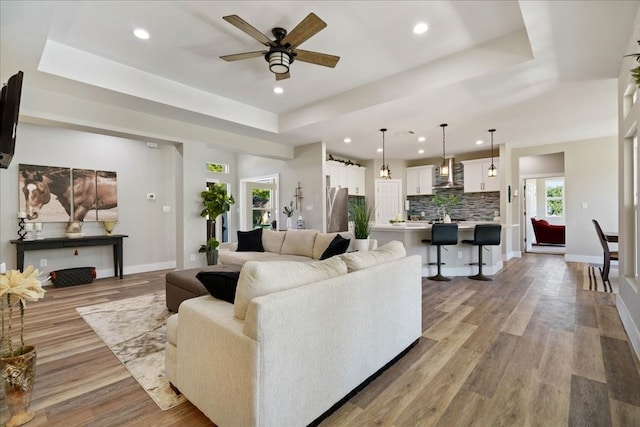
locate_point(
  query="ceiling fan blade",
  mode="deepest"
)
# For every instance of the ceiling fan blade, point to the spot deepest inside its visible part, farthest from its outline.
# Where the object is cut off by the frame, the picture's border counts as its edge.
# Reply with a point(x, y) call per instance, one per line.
point(304, 30)
point(243, 25)
point(283, 76)
point(246, 55)
point(317, 58)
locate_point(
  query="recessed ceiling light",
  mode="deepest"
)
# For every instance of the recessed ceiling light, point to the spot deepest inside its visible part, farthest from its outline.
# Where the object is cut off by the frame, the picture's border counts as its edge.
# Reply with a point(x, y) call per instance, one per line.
point(347, 140)
point(278, 90)
point(478, 142)
point(379, 150)
point(420, 28)
point(421, 151)
point(141, 34)
point(422, 139)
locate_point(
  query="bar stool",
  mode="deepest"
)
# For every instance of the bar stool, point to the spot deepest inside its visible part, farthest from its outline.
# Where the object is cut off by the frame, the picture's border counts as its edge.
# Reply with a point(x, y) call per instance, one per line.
point(442, 234)
point(484, 235)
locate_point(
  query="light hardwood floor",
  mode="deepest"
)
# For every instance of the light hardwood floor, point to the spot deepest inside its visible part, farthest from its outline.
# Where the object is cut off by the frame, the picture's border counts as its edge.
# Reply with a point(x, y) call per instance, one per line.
point(529, 348)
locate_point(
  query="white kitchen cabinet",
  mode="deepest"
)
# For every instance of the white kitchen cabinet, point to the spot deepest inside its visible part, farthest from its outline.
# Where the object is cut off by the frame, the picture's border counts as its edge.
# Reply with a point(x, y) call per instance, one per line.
point(355, 180)
point(476, 179)
point(420, 180)
point(350, 177)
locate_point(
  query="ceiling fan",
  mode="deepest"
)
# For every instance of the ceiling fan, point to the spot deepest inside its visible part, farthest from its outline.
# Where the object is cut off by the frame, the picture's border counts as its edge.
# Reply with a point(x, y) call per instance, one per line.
point(284, 49)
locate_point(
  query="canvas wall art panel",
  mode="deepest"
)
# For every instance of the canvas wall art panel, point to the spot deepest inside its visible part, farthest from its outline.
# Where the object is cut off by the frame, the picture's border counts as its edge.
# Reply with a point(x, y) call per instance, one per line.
point(44, 193)
point(107, 195)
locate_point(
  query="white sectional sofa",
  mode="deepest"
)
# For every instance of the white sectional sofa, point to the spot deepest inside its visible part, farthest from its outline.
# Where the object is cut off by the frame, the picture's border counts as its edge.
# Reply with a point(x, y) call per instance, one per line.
point(298, 338)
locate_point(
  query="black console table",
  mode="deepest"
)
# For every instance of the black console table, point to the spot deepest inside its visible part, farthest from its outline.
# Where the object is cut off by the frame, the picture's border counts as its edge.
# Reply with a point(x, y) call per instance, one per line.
point(114, 240)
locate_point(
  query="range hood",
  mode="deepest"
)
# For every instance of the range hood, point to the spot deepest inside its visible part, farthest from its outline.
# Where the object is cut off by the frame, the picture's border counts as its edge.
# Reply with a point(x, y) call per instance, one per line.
point(450, 182)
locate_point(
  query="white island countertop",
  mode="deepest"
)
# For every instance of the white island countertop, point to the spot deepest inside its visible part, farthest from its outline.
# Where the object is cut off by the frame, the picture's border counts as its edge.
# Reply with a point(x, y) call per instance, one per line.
point(457, 257)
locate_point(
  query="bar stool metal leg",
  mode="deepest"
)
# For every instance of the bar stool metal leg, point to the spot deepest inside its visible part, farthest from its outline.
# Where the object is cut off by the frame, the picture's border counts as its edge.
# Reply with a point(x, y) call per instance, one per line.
point(439, 277)
point(480, 276)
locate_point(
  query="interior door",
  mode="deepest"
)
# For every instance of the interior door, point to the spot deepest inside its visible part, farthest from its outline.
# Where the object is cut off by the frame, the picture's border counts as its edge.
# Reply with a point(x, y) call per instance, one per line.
point(530, 210)
point(388, 199)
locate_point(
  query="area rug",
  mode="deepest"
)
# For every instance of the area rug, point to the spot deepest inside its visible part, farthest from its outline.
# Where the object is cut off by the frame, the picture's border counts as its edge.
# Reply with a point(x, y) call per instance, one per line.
point(134, 329)
point(592, 280)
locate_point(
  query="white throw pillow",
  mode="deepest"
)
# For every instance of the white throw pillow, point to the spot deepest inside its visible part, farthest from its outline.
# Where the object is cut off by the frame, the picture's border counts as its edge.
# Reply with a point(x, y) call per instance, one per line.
point(263, 278)
point(272, 240)
point(364, 259)
point(299, 242)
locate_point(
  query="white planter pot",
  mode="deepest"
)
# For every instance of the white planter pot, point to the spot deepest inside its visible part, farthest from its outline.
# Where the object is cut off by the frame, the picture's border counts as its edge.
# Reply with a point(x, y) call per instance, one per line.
point(361, 244)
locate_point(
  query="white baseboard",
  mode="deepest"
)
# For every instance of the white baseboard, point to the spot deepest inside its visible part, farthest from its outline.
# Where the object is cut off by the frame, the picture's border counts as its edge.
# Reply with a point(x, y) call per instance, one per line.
point(587, 259)
point(513, 254)
point(141, 268)
point(629, 325)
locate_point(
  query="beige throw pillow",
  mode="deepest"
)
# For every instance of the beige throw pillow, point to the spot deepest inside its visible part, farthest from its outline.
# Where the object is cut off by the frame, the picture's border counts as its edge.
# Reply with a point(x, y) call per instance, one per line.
point(263, 278)
point(360, 260)
point(299, 242)
point(272, 240)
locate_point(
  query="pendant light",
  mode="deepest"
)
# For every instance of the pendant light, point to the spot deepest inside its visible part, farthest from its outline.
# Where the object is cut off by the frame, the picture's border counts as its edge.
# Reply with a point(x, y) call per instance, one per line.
point(385, 172)
point(493, 171)
point(444, 168)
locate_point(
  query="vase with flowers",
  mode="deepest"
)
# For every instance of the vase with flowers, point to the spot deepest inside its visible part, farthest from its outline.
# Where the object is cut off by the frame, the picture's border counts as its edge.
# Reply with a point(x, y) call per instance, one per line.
point(288, 211)
point(17, 360)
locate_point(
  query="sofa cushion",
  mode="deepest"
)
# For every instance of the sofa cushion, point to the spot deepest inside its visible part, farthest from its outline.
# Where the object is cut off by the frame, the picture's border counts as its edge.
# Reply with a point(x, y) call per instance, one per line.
point(338, 246)
point(250, 241)
point(272, 240)
point(262, 278)
point(299, 242)
point(364, 259)
point(221, 282)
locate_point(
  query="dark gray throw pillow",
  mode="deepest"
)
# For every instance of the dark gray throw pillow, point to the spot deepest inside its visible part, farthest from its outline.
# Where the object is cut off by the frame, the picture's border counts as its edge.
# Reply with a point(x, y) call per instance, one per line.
point(250, 241)
point(338, 245)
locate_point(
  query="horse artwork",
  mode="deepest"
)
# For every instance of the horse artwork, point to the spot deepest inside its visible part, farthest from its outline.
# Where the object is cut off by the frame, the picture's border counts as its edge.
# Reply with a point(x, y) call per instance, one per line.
point(45, 192)
point(94, 195)
point(56, 194)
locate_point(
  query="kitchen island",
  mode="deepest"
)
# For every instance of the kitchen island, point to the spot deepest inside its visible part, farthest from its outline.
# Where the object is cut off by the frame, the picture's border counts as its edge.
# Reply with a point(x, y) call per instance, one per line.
point(456, 258)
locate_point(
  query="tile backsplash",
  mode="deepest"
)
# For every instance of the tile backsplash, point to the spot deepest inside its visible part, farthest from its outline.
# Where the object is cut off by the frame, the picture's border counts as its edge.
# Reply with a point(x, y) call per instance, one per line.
point(472, 206)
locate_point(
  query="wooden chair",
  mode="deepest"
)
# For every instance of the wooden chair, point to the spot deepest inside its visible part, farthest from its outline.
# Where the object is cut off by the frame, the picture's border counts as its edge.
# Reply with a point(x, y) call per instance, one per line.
point(608, 253)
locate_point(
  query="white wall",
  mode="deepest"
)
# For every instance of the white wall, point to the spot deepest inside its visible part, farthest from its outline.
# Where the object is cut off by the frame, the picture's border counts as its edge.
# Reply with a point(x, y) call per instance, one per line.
point(306, 168)
point(141, 170)
point(590, 177)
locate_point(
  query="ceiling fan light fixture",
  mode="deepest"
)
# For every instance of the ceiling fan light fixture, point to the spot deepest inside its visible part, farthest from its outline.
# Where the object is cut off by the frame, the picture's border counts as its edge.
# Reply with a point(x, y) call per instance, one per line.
point(279, 61)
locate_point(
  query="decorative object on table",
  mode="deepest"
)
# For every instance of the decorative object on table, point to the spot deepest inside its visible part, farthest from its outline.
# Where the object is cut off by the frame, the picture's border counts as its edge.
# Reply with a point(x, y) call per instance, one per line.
point(300, 223)
point(385, 172)
point(635, 72)
point(362, 216)
point(288, 211)
point(28, 227)
point(39, 228)
point(18, 363)
point(446, 204)
point(397, 220)
point(21, 231)
point(215, 201)
point(73, 229)
point(109, 226)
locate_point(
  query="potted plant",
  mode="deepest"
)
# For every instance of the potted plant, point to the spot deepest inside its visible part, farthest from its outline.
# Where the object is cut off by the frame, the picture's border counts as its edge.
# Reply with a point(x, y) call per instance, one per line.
point(288, 211)
point(215, 201)
point(446, 203)
point(362, 216)
point(18, 362)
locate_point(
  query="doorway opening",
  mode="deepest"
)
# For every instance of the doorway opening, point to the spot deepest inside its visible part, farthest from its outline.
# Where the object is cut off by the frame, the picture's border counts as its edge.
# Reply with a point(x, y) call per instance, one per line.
point(260, 202)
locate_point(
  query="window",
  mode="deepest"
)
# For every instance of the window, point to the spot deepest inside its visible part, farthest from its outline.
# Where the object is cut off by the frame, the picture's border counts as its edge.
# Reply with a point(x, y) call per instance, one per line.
point(217, 167)
point(554, 197)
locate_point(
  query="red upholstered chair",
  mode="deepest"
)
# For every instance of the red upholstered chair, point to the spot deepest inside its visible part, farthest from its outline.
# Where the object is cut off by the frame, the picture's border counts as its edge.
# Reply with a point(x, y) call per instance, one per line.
point(547, 233)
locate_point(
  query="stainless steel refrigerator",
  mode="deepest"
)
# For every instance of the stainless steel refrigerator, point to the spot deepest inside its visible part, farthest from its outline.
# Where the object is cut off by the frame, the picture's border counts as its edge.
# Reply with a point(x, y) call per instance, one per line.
point(337, 209)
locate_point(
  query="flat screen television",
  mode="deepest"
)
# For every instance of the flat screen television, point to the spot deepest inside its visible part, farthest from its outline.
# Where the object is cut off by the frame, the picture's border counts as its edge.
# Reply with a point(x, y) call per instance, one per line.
point(9, 111)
